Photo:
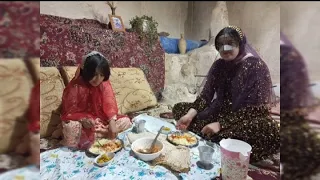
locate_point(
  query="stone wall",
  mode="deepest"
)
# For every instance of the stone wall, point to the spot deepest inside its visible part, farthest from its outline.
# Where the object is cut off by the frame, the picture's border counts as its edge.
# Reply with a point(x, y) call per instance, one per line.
point(259, 20)
point(182, 83)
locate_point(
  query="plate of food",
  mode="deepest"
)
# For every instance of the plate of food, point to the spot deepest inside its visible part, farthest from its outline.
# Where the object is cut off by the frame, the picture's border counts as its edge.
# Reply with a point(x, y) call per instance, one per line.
point(183, 138)
point(101, 146)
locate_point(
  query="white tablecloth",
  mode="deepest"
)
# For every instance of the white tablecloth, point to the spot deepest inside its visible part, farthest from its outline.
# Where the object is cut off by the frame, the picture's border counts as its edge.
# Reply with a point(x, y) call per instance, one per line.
point(63, 163)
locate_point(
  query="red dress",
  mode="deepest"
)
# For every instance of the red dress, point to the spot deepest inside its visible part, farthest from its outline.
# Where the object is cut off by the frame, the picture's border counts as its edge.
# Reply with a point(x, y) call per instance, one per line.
point(81, 100)
point(33, 113)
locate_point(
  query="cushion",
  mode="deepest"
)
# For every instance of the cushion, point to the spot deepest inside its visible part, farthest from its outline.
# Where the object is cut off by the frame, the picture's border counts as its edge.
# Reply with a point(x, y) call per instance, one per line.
point(16, 84)
point(131, 88)
point(52, 87)
point(68, 72)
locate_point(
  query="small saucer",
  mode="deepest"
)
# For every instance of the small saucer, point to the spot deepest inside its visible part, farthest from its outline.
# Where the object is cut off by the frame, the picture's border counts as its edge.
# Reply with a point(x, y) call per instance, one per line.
point(204, 166)
point(166, 131)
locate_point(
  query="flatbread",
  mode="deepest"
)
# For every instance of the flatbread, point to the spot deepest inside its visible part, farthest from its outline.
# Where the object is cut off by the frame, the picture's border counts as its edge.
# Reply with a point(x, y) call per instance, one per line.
point(177, 160)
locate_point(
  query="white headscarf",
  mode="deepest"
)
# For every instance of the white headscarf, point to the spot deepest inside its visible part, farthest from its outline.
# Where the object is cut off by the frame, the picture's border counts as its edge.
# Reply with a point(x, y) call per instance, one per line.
point(84, 58)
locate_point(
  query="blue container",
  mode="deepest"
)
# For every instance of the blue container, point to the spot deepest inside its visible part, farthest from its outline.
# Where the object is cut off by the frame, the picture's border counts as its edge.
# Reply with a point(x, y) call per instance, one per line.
point(170, 45)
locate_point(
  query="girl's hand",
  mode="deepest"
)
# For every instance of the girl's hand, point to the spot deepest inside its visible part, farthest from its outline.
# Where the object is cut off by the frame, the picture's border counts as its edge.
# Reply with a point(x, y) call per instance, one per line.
point(113, 130)
point(87, 123)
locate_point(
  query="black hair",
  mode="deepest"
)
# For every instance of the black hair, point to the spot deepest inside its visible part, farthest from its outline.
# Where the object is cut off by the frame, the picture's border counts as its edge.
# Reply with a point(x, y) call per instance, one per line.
point(231, 32)
point(95, 63)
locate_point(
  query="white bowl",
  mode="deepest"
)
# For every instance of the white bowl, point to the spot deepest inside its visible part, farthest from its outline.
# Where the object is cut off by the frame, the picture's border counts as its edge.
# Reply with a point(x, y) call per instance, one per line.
point(144, 143)
point(109, 154)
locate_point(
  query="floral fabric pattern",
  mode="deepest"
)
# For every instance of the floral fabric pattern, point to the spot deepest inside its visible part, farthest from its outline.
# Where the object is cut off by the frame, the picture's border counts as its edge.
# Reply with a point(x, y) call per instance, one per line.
point(233, 168)
point(263, 174)
point(64, 41)
point(72, 133)
point(132, 90)
point(24, 173)
point(63, 163)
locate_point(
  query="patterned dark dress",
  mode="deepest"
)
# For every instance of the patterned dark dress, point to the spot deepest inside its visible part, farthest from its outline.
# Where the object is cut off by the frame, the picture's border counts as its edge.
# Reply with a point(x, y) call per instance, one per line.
point(300, 145)
point(243, 91)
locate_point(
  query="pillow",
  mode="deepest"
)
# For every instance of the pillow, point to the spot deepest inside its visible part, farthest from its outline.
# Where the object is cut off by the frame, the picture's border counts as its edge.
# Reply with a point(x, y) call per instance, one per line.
point(130, 86)
point(52, 87)
point(132, 90)
point(16, 84)
point(68, 72)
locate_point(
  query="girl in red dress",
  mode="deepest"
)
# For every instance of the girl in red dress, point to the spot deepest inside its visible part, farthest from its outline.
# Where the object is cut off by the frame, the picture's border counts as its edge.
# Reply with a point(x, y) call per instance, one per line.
point(89, 107)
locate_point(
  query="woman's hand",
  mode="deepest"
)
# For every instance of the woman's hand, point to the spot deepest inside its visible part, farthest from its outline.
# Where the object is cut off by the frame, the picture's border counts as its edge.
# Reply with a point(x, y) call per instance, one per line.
point(184, 122)
point(87, 123)
point(211, 128)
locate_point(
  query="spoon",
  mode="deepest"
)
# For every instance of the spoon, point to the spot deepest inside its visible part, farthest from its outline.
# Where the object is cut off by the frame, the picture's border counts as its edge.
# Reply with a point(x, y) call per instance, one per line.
point(147, 151)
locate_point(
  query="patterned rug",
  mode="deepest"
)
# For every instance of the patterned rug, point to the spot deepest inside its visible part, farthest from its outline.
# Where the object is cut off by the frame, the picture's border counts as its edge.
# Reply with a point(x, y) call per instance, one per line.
point(65, 41)
point(19, 24)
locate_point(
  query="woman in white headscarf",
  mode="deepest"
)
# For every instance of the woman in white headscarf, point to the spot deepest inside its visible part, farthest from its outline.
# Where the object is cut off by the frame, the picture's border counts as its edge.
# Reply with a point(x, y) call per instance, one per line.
point(242, 84)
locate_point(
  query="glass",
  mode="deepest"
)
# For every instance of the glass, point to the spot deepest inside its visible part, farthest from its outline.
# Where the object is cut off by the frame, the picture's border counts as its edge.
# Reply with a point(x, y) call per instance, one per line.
point(206, 154)
point(140, 126)
point(206, 157)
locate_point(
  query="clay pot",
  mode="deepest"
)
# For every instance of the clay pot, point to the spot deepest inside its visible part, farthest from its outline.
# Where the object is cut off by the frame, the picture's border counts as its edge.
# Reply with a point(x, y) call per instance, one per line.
point(182, 45)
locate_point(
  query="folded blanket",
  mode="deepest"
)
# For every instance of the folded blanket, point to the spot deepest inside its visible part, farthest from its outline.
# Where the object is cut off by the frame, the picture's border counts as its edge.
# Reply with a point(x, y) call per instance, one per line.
point(175, 158)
